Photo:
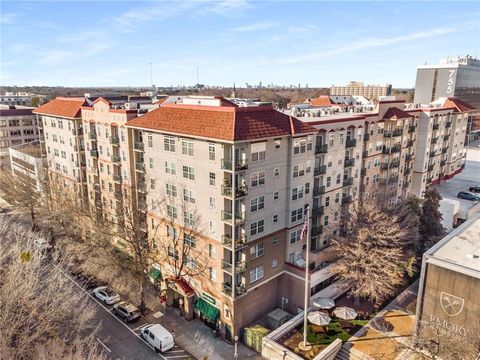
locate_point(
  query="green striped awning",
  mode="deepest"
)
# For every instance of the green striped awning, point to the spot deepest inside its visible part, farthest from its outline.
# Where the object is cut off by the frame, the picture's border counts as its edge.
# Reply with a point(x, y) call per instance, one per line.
point(155, 274)
point(208, 310)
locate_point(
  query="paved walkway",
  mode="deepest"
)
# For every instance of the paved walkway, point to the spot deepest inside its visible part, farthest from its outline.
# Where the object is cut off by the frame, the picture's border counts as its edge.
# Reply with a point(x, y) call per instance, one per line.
point(194, 336)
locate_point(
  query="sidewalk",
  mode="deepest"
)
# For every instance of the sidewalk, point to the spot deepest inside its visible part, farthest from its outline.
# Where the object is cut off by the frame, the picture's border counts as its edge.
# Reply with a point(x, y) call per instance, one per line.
point(194, 336)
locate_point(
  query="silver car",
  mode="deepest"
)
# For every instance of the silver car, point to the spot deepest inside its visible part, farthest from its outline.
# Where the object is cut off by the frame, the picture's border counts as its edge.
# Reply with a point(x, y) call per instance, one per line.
point(106, 295)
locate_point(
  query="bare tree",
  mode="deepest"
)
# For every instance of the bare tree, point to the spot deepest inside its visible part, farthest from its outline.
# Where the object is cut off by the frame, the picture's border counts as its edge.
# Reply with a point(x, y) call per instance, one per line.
point(371, 253)
point(42, 315)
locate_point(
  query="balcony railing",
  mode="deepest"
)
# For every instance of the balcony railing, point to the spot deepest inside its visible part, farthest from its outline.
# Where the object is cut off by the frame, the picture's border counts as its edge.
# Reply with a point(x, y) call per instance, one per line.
point(393, 133)
point(114, 140)
point(142, 187)
point(448, 124)
point(227, 289)
point(94, 152)
point(346, 199)
point(394, 164)
point(317, 230)
point(366, 137)
point(118, 195)
point(348, 181)
point(321, 149)
point(226, 164)
point(444, 150)
point(139, 166)
point(138, 145)
point(319, 190)
point(446, 137)
point(240, 241)
point(409, 157)
point(239, 218)
point(226, 190)
point(117, 178)
point(318, 210)
point(434, 140)
point(115, 159)
point(443, 162)
point(241, 165)
point(391, 150)
point(240, 266)
point(430, 167)
point(363, 172)
point(92, 136)
point(393, 179)
point(410, 143)
point(436, 126)
point(349, 162)
point(407, 171)
point(241, 191)
point(321, 170)
point(412, 129)
point(432, 154)
point(350, 143)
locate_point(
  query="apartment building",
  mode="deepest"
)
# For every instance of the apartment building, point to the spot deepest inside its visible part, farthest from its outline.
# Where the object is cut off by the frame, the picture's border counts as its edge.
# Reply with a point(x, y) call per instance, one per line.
point(107, 156)
point(248, 173)
point(62, 138)
point(17, 127)
point(440, 153)
point(27, 160)
point(19, 98)
point(372, 92)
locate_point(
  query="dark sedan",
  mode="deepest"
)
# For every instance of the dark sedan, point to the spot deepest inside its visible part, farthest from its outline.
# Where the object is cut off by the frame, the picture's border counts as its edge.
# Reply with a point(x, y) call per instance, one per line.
point(468, 196)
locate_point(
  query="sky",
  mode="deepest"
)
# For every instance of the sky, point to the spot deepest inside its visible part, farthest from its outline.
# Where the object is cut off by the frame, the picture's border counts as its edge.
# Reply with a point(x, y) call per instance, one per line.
point(319, 43)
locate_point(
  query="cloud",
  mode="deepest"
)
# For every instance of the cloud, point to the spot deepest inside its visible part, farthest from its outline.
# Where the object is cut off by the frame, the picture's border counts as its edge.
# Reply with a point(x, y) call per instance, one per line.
point(264, 25)
point(368, 43)
point(58, 56)
point(8, 18)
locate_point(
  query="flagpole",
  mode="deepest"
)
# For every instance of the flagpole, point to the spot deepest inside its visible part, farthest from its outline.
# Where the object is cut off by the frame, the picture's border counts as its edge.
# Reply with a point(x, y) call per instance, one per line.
point(305, 345)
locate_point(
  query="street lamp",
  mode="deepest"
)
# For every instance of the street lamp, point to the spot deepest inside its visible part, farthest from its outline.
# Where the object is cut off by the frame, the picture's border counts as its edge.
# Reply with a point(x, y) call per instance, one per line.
point(284, 354)
point(235, 354)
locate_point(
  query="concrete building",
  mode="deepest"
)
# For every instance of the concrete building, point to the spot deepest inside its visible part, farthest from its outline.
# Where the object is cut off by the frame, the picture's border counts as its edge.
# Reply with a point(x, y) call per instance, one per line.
point(17, 126)
point(26, 160)
point(449, 287)
point(355, 88)
point(19, 98)
point(458, 77)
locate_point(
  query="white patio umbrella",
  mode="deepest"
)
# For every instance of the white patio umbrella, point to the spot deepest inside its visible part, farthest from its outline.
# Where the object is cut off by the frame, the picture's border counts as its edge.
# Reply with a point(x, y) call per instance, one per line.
point(345, 313)
point(324, 303)
point(319, 318)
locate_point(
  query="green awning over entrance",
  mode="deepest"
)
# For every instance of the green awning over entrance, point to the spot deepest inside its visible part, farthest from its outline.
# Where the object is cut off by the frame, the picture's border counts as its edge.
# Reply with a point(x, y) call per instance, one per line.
point(155, 274)
point(208, 310)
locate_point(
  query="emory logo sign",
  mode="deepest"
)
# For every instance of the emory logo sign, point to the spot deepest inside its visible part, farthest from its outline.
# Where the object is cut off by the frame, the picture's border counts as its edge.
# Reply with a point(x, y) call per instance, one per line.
point(451, 305)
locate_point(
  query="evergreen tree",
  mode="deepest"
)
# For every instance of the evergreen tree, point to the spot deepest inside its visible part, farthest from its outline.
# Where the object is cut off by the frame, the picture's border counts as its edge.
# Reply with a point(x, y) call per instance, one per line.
point(431, 229)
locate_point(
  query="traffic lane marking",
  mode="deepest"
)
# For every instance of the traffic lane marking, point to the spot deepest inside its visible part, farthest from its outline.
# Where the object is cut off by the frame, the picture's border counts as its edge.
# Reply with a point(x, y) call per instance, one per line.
point(105, 308)
point(104, 346)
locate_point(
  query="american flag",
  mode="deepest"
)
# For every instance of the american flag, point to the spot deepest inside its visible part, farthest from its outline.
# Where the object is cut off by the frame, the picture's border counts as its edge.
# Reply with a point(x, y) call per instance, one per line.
point(304, 228)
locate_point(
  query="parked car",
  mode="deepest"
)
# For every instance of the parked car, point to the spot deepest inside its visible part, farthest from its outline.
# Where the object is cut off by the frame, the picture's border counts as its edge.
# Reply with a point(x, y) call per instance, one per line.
point(157, 337)
point(106, 295)
point(41, 245)
point(475, 189)
point(468, 196)
point(126, 311)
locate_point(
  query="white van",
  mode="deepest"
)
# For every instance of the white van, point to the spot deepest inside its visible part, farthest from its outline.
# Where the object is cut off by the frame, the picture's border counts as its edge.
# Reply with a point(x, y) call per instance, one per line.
point(158, 337)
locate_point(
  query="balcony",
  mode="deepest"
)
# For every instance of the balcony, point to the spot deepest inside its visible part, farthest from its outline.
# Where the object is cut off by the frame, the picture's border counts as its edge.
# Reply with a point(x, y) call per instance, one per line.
point(118, 195)
point(446, 137)
point(432, 154)
point(240, 242)
point(138, 145)
point(366, 137)
point(94, 170)
point(318, 210)
point(241, 165)
point(240, 266)
point(346, 199)
point(92, 136)
point(142, 227)
point(116, 159)
point(443, 162)
point(139, 166)
point(444, 150)
point(391, 150)
point(393, 133)
point(365, 154)
point(434, 140)
point(117, 178)
point(410, 143)
point(429, 180)
point(114, 140)
point(241, 191)
point(407, 171)
point(393, 179)
point(430, 167)
point(349, 163)
point(226, 164)
point(436, 126)
point(448, 124)
point(317, 230)
point(348, 181)
point(239, 218)
point(384, 166)
point(412, 129)
point(322, 170)
point(94, 153)
point(227, 289)
point(141, 187)
point(319, 190)
point(321, 149)
point(226, 190)
point(351, 143)
point(394, 164)
point(363, 172)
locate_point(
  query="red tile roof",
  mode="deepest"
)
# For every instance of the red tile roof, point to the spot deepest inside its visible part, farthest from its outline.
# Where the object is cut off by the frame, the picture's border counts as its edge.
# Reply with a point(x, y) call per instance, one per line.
point(394, 112)
point(62, 107)
point(322, 101)
point(459, 105)
point(221, 122)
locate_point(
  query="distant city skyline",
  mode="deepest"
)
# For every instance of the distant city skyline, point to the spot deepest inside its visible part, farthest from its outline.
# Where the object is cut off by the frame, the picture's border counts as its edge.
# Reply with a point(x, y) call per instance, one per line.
point(316, 43)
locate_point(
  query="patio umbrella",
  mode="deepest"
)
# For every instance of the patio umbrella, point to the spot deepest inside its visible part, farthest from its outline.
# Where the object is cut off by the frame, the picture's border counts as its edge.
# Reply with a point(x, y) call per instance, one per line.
point(319, 318)
point(345, 313)
point(324, 303)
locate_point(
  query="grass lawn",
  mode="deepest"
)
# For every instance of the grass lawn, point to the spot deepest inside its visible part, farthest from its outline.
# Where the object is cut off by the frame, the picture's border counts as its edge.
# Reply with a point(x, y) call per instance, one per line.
point(333, 331)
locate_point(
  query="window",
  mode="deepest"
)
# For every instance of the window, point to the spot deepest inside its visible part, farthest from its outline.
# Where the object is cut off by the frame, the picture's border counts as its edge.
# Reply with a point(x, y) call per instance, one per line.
point(278, 143)
point(172, 211)
point(171, 232)
point(171, 190)
point(188, 172)
point(299, 145)
point(257, 251)
point(173, 253)
point(257, 178)
point(189, 195)
point(275, 195)
point(257, 227)
point(152, 184)
point(258, 151)
point(212, 251)
point(295, 236)
point(212, 203)
point(307, 188)
point(211, 151)
point(325, 220)
point(276, 172)
point(274, 262)
point(169, 143)
point(212, 273)
point(329, 181)
point(298, 170)
point(275, 218)
point(337, 198)
point(256, 274)
point(297, 193)
point(170, 168)
point(188, 218)
point(149, 139)
point(339, 178)
point(150, 160)
point(327, 201)
point(296, 215)
point(212, 178)
point(212, 227)
point(187, 147)
point(190, 262)
point(257, 203)
point(190, 240)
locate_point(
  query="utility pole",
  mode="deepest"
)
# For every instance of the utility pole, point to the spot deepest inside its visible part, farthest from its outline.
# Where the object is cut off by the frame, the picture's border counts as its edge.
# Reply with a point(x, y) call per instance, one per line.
point(198, 76)
point(151, 75)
